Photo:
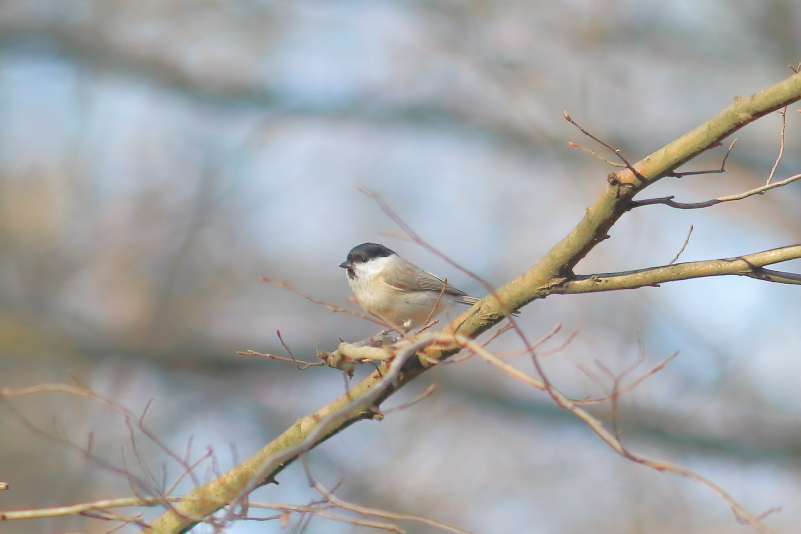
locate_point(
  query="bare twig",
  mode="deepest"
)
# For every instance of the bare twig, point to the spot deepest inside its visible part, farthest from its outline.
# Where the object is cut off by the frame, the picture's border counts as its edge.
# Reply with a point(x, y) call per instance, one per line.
point(686, 241)
point(261, 468)
point(615, 151)
point(427, 393)
point(286, 347)
point(614, 396)
point(721, 170)
point(138, 485)
point(559, 348)
point(536, 346)
point(316, 510)
point(6, 393)
point(783, 113)
point(594, 153)
point(386, 514)
point(612, 440)
point(626, 389)
point(697, 205)
point(428, 324)
point(74, 509)
point(99, 509)
point(299, 363)
point(369, 511)
point(499, 332)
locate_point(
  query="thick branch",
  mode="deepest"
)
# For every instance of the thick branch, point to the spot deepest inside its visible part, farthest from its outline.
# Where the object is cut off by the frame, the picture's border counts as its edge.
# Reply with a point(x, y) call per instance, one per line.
point(749, 265)
point(544, 277)
point(558, 263)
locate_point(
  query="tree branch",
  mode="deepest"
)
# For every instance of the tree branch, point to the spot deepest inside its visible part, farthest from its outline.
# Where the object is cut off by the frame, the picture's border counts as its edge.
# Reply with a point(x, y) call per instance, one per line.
point(748, 265)
point(547, 275)
point(696, 205)
point(307, 432)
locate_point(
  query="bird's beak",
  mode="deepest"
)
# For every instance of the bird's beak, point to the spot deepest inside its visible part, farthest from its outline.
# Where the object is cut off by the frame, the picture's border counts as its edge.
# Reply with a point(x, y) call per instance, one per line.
point(346, 265)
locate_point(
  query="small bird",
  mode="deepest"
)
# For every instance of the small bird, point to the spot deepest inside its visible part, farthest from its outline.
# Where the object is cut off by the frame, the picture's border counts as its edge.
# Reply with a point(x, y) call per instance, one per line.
point(396, 290)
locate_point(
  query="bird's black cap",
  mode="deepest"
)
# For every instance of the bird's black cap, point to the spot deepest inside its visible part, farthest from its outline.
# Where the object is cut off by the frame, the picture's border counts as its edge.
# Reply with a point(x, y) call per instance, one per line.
point(364, 253)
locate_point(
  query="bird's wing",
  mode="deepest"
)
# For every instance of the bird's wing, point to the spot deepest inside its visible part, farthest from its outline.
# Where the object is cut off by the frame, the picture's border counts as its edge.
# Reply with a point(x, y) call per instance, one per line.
point(406, 276)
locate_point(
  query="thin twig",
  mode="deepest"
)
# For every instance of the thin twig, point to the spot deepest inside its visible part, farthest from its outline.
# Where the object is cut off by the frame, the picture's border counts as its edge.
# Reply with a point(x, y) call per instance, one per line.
point(428, 324)
point(299, 363)
point(323, 425)
point(427, 393)
point(686, 241)
point(559, 348)
point(783, 113)
point(696, 205)
point(498, 333)
point(138, 485)
point(626, 389)
point(365, 510)
point(85, 507)
point(594, 153)
point(721, 170)
point(286, 347)
point(615, 151)
point(541, 353)
point(612, 440)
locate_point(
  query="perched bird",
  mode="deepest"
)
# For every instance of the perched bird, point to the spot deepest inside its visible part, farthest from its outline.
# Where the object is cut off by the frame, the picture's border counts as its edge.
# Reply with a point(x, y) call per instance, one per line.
point(396, 290)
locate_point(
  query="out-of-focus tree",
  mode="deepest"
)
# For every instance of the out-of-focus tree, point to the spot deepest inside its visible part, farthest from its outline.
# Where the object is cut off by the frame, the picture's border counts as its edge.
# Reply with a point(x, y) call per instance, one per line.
point(157, 158)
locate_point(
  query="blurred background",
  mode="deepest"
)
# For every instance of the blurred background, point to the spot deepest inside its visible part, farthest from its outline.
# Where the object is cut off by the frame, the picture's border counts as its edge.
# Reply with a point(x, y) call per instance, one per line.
point(157, 157)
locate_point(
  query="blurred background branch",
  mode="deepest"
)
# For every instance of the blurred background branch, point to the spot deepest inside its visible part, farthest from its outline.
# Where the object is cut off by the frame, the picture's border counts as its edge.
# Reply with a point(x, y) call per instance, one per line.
point(158, 157)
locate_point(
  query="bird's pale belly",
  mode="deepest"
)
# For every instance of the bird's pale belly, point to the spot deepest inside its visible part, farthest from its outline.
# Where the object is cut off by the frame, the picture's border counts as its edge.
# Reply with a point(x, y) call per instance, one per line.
point(397, 309)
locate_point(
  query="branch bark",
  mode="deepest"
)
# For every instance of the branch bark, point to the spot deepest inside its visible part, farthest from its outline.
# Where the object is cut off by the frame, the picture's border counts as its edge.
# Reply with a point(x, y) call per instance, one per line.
point(552, 272)
point(750, 265)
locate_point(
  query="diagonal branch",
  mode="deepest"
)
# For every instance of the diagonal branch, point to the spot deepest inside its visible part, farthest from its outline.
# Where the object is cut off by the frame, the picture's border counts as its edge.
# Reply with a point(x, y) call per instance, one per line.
point(307, 432)
point(549, 273)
